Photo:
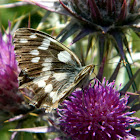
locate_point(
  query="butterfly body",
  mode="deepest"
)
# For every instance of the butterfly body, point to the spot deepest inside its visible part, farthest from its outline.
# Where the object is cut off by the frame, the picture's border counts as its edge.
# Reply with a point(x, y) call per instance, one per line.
point(49, 69)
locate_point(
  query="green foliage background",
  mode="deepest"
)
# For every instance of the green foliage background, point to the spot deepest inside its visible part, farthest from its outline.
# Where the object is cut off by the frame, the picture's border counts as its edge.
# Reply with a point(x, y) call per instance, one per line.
point(13, 14)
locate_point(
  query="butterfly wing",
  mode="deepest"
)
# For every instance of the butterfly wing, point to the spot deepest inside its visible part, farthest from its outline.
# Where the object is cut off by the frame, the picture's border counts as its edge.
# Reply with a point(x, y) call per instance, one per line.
point(48, 67)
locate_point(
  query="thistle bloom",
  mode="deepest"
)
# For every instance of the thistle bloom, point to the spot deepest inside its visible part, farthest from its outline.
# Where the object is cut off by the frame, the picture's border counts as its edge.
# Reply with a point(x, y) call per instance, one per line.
point(10, 99)
point(97, 113)
point(109, 19)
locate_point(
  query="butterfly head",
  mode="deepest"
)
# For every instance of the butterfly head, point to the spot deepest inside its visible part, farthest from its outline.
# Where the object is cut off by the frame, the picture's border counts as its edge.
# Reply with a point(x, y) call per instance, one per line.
point(83, 77)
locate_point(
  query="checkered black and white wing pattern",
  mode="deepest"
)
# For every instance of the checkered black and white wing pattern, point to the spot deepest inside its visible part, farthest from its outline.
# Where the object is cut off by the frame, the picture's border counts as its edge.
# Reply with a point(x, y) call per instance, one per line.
point(48, 67)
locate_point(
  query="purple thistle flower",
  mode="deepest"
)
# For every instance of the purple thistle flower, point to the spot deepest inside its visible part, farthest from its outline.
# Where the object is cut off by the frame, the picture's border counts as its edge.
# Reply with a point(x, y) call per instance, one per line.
point(102, 17)
point(10, 99)
point(96, 113)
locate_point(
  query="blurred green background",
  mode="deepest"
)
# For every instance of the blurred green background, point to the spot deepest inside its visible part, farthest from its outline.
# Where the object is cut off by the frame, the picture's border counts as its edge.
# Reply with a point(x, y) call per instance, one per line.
point(53, 25)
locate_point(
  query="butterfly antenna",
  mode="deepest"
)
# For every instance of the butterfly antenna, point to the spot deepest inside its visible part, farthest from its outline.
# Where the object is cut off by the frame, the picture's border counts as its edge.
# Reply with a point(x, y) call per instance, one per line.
point(122, 62)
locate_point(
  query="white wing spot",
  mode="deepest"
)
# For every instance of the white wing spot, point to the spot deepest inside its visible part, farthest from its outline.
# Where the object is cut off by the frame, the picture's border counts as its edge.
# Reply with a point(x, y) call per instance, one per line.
point(53, 40)
point(35, 60)
point(60, 76)
point(34, 52)
point(49, 59)
point(45, 44)
point(46, 66)
point(54, 96)
point(48, 88)
point(23, 40)
point(33, 36)
point(64, 56)
point(41, 83)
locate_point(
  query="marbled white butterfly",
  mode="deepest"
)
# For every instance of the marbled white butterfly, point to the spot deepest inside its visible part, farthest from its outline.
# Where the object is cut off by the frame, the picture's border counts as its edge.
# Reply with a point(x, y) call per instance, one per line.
point(49, 69)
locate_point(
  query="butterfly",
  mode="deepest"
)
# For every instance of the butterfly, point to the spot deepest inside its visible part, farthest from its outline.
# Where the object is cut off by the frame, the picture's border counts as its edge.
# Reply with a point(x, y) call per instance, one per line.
point(48, 68)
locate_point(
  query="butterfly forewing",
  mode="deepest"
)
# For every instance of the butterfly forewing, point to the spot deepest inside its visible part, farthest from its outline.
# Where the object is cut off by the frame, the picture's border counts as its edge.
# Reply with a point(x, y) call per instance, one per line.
point(48, 67)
